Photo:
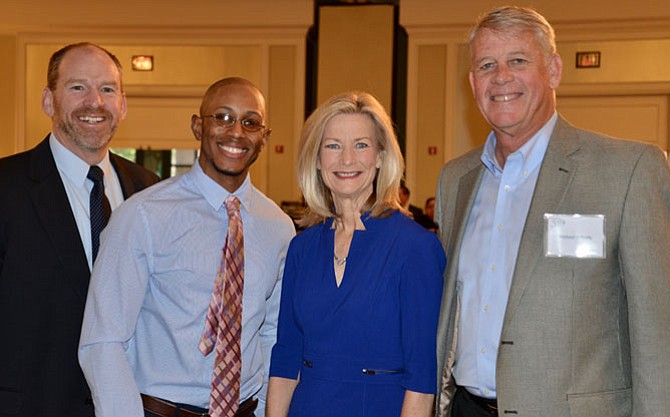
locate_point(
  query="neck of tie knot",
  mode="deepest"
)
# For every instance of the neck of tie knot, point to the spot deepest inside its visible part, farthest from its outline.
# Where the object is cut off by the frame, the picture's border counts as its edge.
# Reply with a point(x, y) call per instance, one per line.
point(232, 205)
point(95, 174)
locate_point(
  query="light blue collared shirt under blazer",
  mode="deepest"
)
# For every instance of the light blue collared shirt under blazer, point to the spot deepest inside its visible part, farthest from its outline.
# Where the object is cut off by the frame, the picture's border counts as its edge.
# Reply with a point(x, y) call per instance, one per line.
point(488, 255)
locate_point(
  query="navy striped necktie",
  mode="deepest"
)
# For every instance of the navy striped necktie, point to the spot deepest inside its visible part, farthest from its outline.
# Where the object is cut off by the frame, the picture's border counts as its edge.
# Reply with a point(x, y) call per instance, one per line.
point(100, 210)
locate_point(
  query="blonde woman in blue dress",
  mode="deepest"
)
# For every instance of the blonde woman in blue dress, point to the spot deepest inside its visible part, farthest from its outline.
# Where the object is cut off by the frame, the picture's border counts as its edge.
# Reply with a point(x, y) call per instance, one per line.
point(362, 284)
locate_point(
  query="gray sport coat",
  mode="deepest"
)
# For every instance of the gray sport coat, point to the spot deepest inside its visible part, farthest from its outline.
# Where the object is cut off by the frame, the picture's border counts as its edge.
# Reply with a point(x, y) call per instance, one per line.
point(580, 337)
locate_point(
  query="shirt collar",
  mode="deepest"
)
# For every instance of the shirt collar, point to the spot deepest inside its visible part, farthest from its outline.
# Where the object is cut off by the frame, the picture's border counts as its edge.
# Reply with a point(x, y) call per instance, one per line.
point(215, 194)
point(74, 168)
point(532, 152)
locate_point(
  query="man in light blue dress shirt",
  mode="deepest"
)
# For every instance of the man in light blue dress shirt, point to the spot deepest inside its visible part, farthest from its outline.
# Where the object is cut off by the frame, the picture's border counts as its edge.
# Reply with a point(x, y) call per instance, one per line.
point(154, 275)
point(556, 291)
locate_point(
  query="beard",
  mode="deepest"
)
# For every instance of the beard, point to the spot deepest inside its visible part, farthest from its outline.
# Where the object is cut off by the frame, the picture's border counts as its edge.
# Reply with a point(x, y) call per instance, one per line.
point(88, 140)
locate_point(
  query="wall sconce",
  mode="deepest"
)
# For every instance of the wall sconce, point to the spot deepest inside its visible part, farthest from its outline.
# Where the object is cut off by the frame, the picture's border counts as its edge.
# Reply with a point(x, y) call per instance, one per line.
point(143, 63)
point(588, 59)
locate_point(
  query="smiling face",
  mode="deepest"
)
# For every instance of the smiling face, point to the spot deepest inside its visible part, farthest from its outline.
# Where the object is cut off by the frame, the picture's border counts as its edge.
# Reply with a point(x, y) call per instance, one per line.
point(513, 82)
point(227, 152)
point(349, 158)
point(87, 104)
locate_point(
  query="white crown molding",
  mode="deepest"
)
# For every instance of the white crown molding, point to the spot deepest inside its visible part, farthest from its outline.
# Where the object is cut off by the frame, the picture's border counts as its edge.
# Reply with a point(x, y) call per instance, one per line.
point(612, 89)
point(139, 35)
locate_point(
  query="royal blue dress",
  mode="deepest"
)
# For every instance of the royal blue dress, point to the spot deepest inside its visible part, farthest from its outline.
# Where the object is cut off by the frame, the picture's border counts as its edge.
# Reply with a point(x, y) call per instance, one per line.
point(359, 346)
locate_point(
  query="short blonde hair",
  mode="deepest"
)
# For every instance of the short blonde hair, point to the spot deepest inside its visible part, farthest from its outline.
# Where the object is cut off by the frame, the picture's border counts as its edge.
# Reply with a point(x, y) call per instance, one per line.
point(387, 181)
point(514, 20)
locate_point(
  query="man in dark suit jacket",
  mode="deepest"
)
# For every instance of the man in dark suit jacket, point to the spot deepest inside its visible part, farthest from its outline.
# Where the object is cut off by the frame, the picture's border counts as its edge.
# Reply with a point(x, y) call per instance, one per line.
point(45, 243)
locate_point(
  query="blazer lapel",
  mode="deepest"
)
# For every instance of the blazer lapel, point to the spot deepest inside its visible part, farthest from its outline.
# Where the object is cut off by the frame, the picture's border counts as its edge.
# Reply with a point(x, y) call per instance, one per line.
point(54, 212)
point(553, 182)
point(467, 191)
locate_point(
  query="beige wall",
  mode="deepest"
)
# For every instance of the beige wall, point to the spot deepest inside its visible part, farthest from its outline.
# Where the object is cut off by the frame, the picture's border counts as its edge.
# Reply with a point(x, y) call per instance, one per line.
point(197, 42)
point(193, 44)
point(355, 51)
point(47, 15)
point(426, 123)
point(7, 95)
point(286, 108)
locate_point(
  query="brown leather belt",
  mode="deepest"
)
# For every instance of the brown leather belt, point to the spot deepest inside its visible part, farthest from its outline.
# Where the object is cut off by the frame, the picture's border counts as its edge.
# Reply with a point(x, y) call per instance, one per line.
point(167, 409)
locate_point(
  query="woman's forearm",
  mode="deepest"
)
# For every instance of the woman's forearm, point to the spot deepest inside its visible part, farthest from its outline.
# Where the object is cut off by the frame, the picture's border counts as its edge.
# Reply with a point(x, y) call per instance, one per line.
point(416, 404)
point(280, 393)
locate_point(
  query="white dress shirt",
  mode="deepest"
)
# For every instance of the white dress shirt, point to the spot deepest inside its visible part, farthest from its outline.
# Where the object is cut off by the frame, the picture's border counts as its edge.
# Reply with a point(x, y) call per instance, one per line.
point(73, 171)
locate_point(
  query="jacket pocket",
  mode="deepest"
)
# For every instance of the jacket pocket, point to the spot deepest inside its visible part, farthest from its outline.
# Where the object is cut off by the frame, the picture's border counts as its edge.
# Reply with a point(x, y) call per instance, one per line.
point(609, 403)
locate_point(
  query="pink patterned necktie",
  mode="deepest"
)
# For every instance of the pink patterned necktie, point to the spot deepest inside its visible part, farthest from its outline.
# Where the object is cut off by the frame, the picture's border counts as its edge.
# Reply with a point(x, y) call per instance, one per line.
point(223, 328)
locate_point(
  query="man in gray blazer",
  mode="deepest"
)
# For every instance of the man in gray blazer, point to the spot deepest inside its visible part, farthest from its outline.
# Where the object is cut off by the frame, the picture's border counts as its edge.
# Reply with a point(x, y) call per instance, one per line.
point(557, 290)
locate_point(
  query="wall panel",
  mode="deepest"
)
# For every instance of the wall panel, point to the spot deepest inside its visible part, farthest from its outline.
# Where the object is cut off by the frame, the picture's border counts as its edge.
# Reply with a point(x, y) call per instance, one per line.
point(356, 51)
point(643, 118)
point(283, 113)
point(430, 122)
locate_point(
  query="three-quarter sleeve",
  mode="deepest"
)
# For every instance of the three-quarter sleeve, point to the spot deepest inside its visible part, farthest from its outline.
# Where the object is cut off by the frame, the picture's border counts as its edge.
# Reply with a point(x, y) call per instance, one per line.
point(287, 352)
point(420, 293)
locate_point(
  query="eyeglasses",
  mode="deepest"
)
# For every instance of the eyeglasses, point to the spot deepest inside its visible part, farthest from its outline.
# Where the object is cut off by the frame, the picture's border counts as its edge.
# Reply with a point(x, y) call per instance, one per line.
point(227, 120)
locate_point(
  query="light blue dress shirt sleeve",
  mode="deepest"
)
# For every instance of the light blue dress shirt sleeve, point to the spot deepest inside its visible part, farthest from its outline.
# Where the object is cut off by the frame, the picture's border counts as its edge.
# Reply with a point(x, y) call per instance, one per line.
point(116, 293)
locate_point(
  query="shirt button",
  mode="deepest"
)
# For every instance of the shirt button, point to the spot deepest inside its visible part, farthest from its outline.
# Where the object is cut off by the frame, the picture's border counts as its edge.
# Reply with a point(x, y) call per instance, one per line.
point(486, 308)
point(487, 392)
point(507, 188)
point(493, 267)
point(500, 227)
point(483, 351)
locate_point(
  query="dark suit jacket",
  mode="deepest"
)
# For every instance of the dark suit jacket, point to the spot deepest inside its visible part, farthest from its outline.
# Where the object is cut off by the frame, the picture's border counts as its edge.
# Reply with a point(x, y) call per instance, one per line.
point(419, 217)
point(43, 284)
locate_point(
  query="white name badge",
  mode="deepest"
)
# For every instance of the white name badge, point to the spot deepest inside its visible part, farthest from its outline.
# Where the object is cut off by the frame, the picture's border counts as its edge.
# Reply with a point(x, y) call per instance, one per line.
point(574, 235)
